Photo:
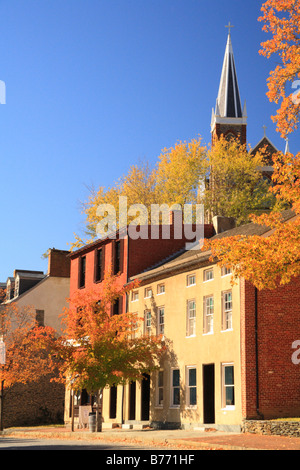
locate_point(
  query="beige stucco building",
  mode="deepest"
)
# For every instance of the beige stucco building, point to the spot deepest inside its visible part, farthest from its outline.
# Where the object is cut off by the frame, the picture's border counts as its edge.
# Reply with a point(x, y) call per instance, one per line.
point(192, 304)
point(47, 294)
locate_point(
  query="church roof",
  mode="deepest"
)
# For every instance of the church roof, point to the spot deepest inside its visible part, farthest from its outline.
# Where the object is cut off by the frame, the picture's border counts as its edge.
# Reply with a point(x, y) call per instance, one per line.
point(228, 100)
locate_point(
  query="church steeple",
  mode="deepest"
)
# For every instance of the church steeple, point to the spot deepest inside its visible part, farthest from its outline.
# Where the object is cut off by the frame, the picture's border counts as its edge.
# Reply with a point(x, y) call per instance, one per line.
point(228, 117)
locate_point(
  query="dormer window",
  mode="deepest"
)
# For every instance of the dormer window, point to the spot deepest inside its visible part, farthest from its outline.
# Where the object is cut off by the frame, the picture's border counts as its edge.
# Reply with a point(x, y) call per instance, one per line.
point(17, 284)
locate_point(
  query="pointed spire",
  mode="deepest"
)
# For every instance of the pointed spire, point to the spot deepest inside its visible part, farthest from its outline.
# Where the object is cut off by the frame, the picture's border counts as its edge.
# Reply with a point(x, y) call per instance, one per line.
point(229, 101)
point(287, 147)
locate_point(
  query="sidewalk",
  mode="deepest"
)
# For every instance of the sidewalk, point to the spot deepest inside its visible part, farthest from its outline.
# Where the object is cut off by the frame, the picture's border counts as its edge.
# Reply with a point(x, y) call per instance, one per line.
point(171, 439)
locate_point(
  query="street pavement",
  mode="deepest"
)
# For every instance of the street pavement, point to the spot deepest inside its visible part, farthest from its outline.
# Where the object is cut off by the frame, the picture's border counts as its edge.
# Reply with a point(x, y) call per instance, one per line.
point(164, 439)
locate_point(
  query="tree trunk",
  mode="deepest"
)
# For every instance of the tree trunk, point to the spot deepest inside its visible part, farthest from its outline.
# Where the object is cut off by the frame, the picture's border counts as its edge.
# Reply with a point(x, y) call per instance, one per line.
point(99, 410)
point(72, 410)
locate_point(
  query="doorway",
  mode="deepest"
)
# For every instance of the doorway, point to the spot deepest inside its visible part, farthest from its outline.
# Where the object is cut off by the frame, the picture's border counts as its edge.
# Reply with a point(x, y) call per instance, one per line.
point(145, 398)
point(132, 395)
point(113, 402)
point(208, 393)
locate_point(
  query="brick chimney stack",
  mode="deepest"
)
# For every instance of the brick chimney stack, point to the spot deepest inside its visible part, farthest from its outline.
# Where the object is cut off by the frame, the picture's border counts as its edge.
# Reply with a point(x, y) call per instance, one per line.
point(58, 263)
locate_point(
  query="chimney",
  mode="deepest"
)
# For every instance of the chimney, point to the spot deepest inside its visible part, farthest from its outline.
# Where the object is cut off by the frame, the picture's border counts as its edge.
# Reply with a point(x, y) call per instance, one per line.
point(222, 224)
point(58, 263)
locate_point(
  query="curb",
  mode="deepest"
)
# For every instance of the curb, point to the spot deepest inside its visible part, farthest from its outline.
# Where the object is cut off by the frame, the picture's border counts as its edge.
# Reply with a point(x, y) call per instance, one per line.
point(193, 445)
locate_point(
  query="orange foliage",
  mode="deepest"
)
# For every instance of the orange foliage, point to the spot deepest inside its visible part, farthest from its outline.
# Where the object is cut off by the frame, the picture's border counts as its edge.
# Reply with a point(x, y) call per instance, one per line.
point(27, 345)
point(282, 20)
point(268, 261)
point(100, 349)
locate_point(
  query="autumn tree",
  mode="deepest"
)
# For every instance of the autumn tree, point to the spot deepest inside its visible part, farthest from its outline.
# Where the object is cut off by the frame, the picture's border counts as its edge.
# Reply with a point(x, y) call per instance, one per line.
point(236, 187)
point(101, 349)
point(272, 260)
point(282, 21)
point(173, 180)
point(28, 348)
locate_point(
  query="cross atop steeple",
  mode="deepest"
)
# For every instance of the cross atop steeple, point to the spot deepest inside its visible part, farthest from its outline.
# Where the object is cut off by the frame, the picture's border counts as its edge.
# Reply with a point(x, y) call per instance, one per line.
point(229, 26)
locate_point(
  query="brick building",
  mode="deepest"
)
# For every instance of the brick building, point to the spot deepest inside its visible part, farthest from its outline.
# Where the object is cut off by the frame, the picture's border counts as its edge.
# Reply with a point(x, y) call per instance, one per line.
point(126, 257)
point(230, 347)
point(43, 401)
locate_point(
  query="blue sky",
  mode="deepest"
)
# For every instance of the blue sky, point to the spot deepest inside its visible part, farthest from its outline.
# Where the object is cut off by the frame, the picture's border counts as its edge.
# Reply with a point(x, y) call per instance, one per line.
point(93, 86)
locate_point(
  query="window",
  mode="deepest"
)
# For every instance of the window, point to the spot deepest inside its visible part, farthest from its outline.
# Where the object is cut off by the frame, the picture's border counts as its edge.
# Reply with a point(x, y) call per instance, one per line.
point(135, 296)
point(227, 310)
point(161, 320)
point(208, 314)
point(160, 289)
point(117, 256)
point(82, 268)
point(175, 388)
point(117, 307)
point(191, 386)
point(134, 327)
point(40, 317)
point(99, 264)
point(191, 280)
point(225, 271)
point(147, 324)
point(208, 275)
point(17, 286)
point(191, 318)
point(148, 292)
point(227, 385)
point(160, 388)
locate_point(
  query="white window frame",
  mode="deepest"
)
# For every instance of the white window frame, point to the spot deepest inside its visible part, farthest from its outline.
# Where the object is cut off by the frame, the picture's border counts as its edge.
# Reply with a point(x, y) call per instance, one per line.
point(173, 387)
point(160, 389)
point(147, 322)
point(189, 387)
point(134, 296)
point(226, 311)
point(225, 271)
point(148, 293)
point(160, 325)
point(190, 319)
point(190, 277)
point(208, 315)
point(224, 386)
point(159, 286)
point(134, 326)
point(205, 272)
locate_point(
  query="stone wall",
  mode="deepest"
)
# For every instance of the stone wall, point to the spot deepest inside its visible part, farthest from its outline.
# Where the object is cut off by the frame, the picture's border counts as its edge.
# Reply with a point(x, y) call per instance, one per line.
point(36, 403)
point(279, 428)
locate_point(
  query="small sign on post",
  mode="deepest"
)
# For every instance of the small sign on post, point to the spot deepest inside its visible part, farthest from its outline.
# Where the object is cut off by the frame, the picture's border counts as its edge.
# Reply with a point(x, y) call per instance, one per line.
point(2, 353)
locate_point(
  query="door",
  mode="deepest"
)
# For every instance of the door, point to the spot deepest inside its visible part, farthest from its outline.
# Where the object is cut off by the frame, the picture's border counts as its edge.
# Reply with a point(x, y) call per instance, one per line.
point(113, 402)
point(132, 394)
point(208, 393)
point(145, 398)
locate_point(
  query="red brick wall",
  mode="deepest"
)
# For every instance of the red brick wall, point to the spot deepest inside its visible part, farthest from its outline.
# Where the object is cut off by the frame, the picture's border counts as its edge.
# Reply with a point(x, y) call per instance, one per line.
point(278, 326)
point(145, 253)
